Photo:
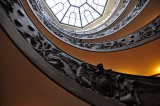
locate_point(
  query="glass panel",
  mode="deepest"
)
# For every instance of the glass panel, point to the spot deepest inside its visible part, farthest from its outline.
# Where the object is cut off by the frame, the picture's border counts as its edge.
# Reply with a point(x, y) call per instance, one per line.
point(78, 23)
point(59, 16)
point(72, 21)
point(95, 15)
point(100, 9)
point(90, 18)
point(50, 3)
point(65, 20)
point(84, 23)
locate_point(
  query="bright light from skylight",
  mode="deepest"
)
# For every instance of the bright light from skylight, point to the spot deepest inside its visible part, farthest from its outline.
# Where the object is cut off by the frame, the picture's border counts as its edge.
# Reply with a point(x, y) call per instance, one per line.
point(78, 13)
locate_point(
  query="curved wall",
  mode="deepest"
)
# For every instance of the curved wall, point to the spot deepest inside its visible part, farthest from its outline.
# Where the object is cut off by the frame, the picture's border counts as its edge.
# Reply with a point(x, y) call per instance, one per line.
point(22, 84)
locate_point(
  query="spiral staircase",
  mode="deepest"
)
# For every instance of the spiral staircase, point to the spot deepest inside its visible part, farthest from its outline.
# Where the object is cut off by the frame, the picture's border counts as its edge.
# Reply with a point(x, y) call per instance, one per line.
point(37, 49)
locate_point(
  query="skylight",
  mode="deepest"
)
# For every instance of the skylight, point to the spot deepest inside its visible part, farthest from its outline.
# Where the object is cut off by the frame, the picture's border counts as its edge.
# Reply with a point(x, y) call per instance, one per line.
point(78, 13)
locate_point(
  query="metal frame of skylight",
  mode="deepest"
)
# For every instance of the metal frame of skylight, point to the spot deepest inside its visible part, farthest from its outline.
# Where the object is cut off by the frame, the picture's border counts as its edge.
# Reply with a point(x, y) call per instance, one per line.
point(80, 14)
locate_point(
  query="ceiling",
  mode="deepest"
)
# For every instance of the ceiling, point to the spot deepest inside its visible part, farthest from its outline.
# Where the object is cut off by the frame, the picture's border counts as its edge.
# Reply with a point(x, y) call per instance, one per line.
point(77, 13)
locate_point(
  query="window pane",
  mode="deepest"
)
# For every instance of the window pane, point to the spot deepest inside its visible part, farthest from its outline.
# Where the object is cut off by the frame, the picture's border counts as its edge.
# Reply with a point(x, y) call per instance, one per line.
point(50, 3)
point(78, 23)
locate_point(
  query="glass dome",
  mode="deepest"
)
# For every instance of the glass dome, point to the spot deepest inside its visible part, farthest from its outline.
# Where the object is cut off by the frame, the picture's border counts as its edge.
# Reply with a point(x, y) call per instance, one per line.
point(77, 13)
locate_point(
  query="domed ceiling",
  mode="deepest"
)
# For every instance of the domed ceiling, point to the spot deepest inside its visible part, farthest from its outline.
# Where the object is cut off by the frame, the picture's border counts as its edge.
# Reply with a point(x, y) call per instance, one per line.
point(78, 13)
